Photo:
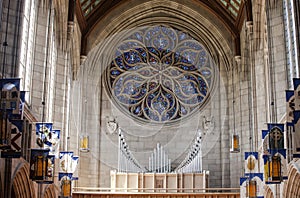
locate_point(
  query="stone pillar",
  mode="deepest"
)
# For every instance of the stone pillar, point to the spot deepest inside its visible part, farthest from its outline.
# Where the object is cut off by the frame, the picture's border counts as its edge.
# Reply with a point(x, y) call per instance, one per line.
point(251, 88)
point(70, 32)
point(297, 16)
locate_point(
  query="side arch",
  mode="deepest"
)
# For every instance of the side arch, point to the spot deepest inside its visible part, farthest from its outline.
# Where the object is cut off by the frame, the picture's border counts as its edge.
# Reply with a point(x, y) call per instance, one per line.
point(268, 193)
point(21, 185)
point(50, 191)
point(292, 186)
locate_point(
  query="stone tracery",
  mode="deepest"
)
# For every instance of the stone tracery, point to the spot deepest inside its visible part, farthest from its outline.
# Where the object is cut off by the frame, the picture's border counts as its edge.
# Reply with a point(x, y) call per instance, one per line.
point(160, 74)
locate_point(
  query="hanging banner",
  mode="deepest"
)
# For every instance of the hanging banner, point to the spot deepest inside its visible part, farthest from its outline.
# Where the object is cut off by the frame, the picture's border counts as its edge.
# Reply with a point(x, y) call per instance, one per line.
point(19, 115)
point(247, 191)
point(276, 136)
point(296, 147)
point(65, 184)
point(50, 170)
point(75, 160)
point(290, 105)
point(265, 142)
point(296, 133)
point(43, 132)
point(16, 134)
point(10, 94)
point(65, 176)
point(296, 82)
point(17, 126)
point(251, 162)
point(53, 143)
point(5, 130)
point(65, 161)
point(38, 164)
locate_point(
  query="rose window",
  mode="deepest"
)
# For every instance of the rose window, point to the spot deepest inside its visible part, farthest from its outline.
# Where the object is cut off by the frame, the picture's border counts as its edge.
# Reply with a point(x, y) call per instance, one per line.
point(160, 74)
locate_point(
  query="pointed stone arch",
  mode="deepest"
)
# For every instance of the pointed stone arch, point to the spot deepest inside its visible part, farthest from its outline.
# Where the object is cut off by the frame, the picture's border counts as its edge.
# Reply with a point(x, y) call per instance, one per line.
point(268, 193)
point(50, 191)
point(292, 187)
point(21, 184)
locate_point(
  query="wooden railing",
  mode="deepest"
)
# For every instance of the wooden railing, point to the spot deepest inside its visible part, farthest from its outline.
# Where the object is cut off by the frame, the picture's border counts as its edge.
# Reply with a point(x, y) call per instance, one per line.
point(81, 192)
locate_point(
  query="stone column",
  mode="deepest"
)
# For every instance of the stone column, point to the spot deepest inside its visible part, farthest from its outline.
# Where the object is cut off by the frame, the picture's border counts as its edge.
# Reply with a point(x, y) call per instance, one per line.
point(251, 88)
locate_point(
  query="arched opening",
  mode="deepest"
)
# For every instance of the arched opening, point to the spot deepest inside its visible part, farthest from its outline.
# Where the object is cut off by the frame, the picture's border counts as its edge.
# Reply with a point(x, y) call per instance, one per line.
point(22, 187)
point(50, 192)
point(292, 186)
point(268, 192)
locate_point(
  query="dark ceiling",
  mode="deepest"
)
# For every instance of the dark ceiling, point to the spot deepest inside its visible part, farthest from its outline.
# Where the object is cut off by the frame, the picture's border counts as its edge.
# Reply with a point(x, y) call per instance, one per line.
point(230, 12)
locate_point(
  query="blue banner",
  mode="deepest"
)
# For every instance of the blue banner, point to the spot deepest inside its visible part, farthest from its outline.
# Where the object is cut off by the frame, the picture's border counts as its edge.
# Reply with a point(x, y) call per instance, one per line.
point(276, 136)
point(10, 83)
point(247, 154)
point(43, 132)
point(17, 126)
point(65, 176)
point(296, 116)
point(289, 94)
point(44, 128)
point(50, 169)
point(296, 82)
point(264, 133)
point(278, 125)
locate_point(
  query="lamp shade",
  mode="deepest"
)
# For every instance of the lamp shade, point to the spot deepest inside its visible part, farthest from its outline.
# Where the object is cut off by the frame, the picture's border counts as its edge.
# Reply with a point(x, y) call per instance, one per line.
point(84, 143)
point(235, 144)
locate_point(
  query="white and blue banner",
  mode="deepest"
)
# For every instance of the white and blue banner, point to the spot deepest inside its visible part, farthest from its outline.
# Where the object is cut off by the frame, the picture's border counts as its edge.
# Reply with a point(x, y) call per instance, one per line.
point(297, 133)
point(75, 160)
point(290, 105)
point(65, 162)
point(296, 82)
point(65, 176)
point(74, 167)
point(258, 178)
point(50, 169)
point(251, 162)
point(52, 142)
point(10, 94)
point(43, 132)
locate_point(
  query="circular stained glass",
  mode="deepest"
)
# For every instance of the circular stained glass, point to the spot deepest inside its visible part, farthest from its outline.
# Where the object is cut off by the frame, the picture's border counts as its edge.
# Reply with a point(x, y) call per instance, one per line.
point(160, 74)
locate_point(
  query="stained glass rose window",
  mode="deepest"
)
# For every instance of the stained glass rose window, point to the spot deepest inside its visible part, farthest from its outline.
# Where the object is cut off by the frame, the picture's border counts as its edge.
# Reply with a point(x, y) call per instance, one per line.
point(160, 74)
